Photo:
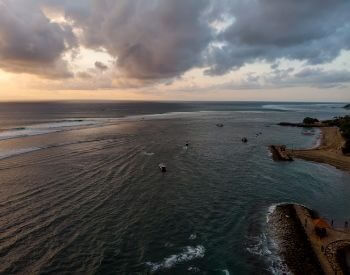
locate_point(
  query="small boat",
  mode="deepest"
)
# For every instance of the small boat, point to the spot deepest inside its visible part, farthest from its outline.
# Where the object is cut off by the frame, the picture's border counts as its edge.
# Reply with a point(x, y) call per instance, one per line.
point(162, 167)
point(308, 133)
point(244, 140)
point(220, 125)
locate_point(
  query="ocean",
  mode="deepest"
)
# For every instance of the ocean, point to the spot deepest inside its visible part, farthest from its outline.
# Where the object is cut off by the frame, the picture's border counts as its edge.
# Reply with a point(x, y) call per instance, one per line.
point(81, 191)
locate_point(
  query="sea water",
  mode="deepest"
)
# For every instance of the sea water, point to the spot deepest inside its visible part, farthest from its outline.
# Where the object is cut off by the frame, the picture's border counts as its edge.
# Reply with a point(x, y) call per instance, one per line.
point(81, 191)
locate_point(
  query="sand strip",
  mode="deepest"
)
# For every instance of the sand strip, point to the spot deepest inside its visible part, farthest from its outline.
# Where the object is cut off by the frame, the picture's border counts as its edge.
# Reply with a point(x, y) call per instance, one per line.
point(328, 152)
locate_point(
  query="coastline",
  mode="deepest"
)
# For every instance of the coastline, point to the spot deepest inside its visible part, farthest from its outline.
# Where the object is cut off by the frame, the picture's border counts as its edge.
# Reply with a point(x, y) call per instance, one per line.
point(328, 152)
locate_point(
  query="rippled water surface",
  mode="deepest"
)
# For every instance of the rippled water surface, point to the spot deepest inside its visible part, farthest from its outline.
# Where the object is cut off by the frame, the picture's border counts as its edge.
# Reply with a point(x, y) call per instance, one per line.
point(81, 191)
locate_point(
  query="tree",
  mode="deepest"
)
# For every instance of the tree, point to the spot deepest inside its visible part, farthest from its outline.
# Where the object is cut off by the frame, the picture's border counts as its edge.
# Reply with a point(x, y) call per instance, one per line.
point(310, 120)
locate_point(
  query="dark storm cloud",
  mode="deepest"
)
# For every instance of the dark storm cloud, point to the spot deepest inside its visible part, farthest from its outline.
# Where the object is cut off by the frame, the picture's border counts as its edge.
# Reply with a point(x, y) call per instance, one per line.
point(159, 40)
point(30, 43)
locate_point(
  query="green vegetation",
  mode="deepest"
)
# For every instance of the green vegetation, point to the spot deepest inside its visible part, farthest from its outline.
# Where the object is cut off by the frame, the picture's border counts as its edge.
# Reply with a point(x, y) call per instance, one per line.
point(310, 120)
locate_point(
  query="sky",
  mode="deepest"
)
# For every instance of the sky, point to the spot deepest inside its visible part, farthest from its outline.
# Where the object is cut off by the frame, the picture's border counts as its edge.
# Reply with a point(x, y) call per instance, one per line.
point(269, 50)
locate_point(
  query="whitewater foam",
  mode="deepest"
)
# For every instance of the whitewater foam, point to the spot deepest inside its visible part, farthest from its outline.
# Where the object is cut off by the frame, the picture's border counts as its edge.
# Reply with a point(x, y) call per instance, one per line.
point(189, 253)
point(266, 247)
point(45, 128)
point(270, 210)
point(260, 246)
point(318, 140)
point(16, 152)
point(276, 264)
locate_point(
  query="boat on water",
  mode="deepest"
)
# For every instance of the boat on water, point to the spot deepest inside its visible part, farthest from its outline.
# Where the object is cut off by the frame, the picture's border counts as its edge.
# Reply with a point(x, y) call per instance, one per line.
point(162, 167)
point(308, 132)
point(220, 125)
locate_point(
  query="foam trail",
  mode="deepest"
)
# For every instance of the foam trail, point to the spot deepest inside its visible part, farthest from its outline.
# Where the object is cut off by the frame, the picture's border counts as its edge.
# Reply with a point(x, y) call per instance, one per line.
point(270, 210)
point(44, 128)
point(12, 153)
point(188, 254)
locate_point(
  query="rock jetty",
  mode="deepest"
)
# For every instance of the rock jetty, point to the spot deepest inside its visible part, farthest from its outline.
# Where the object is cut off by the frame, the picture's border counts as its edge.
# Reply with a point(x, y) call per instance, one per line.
point(296, 230)
point(279, 153)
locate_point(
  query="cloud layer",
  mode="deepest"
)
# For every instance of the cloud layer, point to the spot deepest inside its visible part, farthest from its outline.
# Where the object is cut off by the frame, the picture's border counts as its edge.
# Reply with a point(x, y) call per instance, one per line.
point(30, 43)
point(315, 31)
point(158, 40)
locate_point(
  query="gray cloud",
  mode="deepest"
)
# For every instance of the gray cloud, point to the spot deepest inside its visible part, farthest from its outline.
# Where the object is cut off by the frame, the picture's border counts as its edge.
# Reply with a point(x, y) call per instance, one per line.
point(315, 31)
point(287, 78)
point(30, 43)
point(323, 79)
point(99, 65)
point(153, 40)
point(84, 75)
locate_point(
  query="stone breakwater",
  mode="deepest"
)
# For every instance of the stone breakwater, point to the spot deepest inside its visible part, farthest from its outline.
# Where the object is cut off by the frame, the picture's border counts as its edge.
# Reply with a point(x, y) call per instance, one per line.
point(302, 248)
point(292, 242)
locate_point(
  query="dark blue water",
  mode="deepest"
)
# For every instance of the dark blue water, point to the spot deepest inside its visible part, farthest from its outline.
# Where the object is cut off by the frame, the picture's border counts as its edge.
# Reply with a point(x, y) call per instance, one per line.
point(81, 191)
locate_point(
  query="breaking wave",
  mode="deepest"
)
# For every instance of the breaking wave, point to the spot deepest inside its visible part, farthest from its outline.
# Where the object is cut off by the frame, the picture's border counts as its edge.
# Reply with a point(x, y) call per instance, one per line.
point(12, 153)
point(265, 247)
point(188, 254)
point(45, 128)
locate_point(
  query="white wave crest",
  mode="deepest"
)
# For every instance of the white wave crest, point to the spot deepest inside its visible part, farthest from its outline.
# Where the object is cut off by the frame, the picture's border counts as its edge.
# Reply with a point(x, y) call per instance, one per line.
point(270, 210)
point(188, 254)
point(11, 153)
point(45, 128)
point(260, 246)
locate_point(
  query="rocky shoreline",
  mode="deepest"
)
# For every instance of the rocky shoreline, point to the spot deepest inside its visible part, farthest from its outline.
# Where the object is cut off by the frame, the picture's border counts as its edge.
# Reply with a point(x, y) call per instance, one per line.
point(292, 242)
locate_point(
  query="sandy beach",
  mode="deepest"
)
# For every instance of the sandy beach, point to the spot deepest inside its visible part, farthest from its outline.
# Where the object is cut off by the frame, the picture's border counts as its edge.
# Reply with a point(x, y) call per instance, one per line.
point(328, 152)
